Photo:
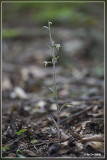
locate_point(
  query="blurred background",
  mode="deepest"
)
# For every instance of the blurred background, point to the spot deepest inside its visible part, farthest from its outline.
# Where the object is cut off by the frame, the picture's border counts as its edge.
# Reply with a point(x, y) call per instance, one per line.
point(78, 27)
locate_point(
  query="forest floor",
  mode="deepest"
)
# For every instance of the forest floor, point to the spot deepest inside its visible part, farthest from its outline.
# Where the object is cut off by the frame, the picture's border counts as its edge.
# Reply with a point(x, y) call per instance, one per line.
point(27, 129)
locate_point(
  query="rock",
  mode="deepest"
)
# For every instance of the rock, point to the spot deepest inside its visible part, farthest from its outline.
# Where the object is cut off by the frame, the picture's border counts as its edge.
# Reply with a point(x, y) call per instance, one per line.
point(18, 93)
point(53, 107)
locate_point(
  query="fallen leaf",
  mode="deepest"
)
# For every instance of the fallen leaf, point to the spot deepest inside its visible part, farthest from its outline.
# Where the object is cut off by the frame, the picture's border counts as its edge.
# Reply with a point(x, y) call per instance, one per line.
point(11, 155)
point(99, 138)
point(28, 153)
point(99, 146)
point(64, 136)
point(79, 145)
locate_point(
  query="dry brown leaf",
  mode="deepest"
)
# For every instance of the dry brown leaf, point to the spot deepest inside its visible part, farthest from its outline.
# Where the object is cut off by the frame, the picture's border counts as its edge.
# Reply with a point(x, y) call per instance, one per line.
point(99, 138)
point(96, 145)
point(84, 124)
point(64, 147)
point(63, 150)
point(64, 136)
point(23, 145)
point(12, 155)
point(95, 115)
point(79, 145)
point(95, 109)
point(78, 127)
point(28, 153)
point(78, 135)
point(64, 143)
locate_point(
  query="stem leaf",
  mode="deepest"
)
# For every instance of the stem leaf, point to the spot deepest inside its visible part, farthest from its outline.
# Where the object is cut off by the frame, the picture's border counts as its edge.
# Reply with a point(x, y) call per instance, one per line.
point(53, 92)
point(63, 106)
point(34, 141)
point(50, 47)
point(54, 122)
point(54, 58)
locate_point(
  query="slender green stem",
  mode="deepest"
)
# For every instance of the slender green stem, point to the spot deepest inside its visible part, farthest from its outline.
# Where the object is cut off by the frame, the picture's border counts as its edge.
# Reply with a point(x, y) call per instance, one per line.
point(55, 88)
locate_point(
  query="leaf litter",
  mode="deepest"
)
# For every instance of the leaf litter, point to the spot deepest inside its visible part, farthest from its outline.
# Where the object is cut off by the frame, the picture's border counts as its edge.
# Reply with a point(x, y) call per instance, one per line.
point(27, 106)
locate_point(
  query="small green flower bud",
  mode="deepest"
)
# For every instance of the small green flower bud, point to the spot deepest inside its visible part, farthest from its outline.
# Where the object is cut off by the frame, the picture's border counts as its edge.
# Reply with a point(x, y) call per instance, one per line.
point(57, 46)
point(50, 23)
point(45, 27)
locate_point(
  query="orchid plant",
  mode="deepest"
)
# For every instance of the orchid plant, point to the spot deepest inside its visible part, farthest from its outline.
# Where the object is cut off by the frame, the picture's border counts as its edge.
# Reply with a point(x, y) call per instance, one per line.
point(52, 47)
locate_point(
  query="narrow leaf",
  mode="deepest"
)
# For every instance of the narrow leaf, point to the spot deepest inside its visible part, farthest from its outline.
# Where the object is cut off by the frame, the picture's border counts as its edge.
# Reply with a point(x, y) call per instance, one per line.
point(21, 131)
point(53, 92)
point(51, 89)
point(18, 151)
point(54, 122)
point(54, 58)
point(5, 148)
point(52, 95)
point(50, 47)
point(18, 133)
point(63, 106)
point(34, 141)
